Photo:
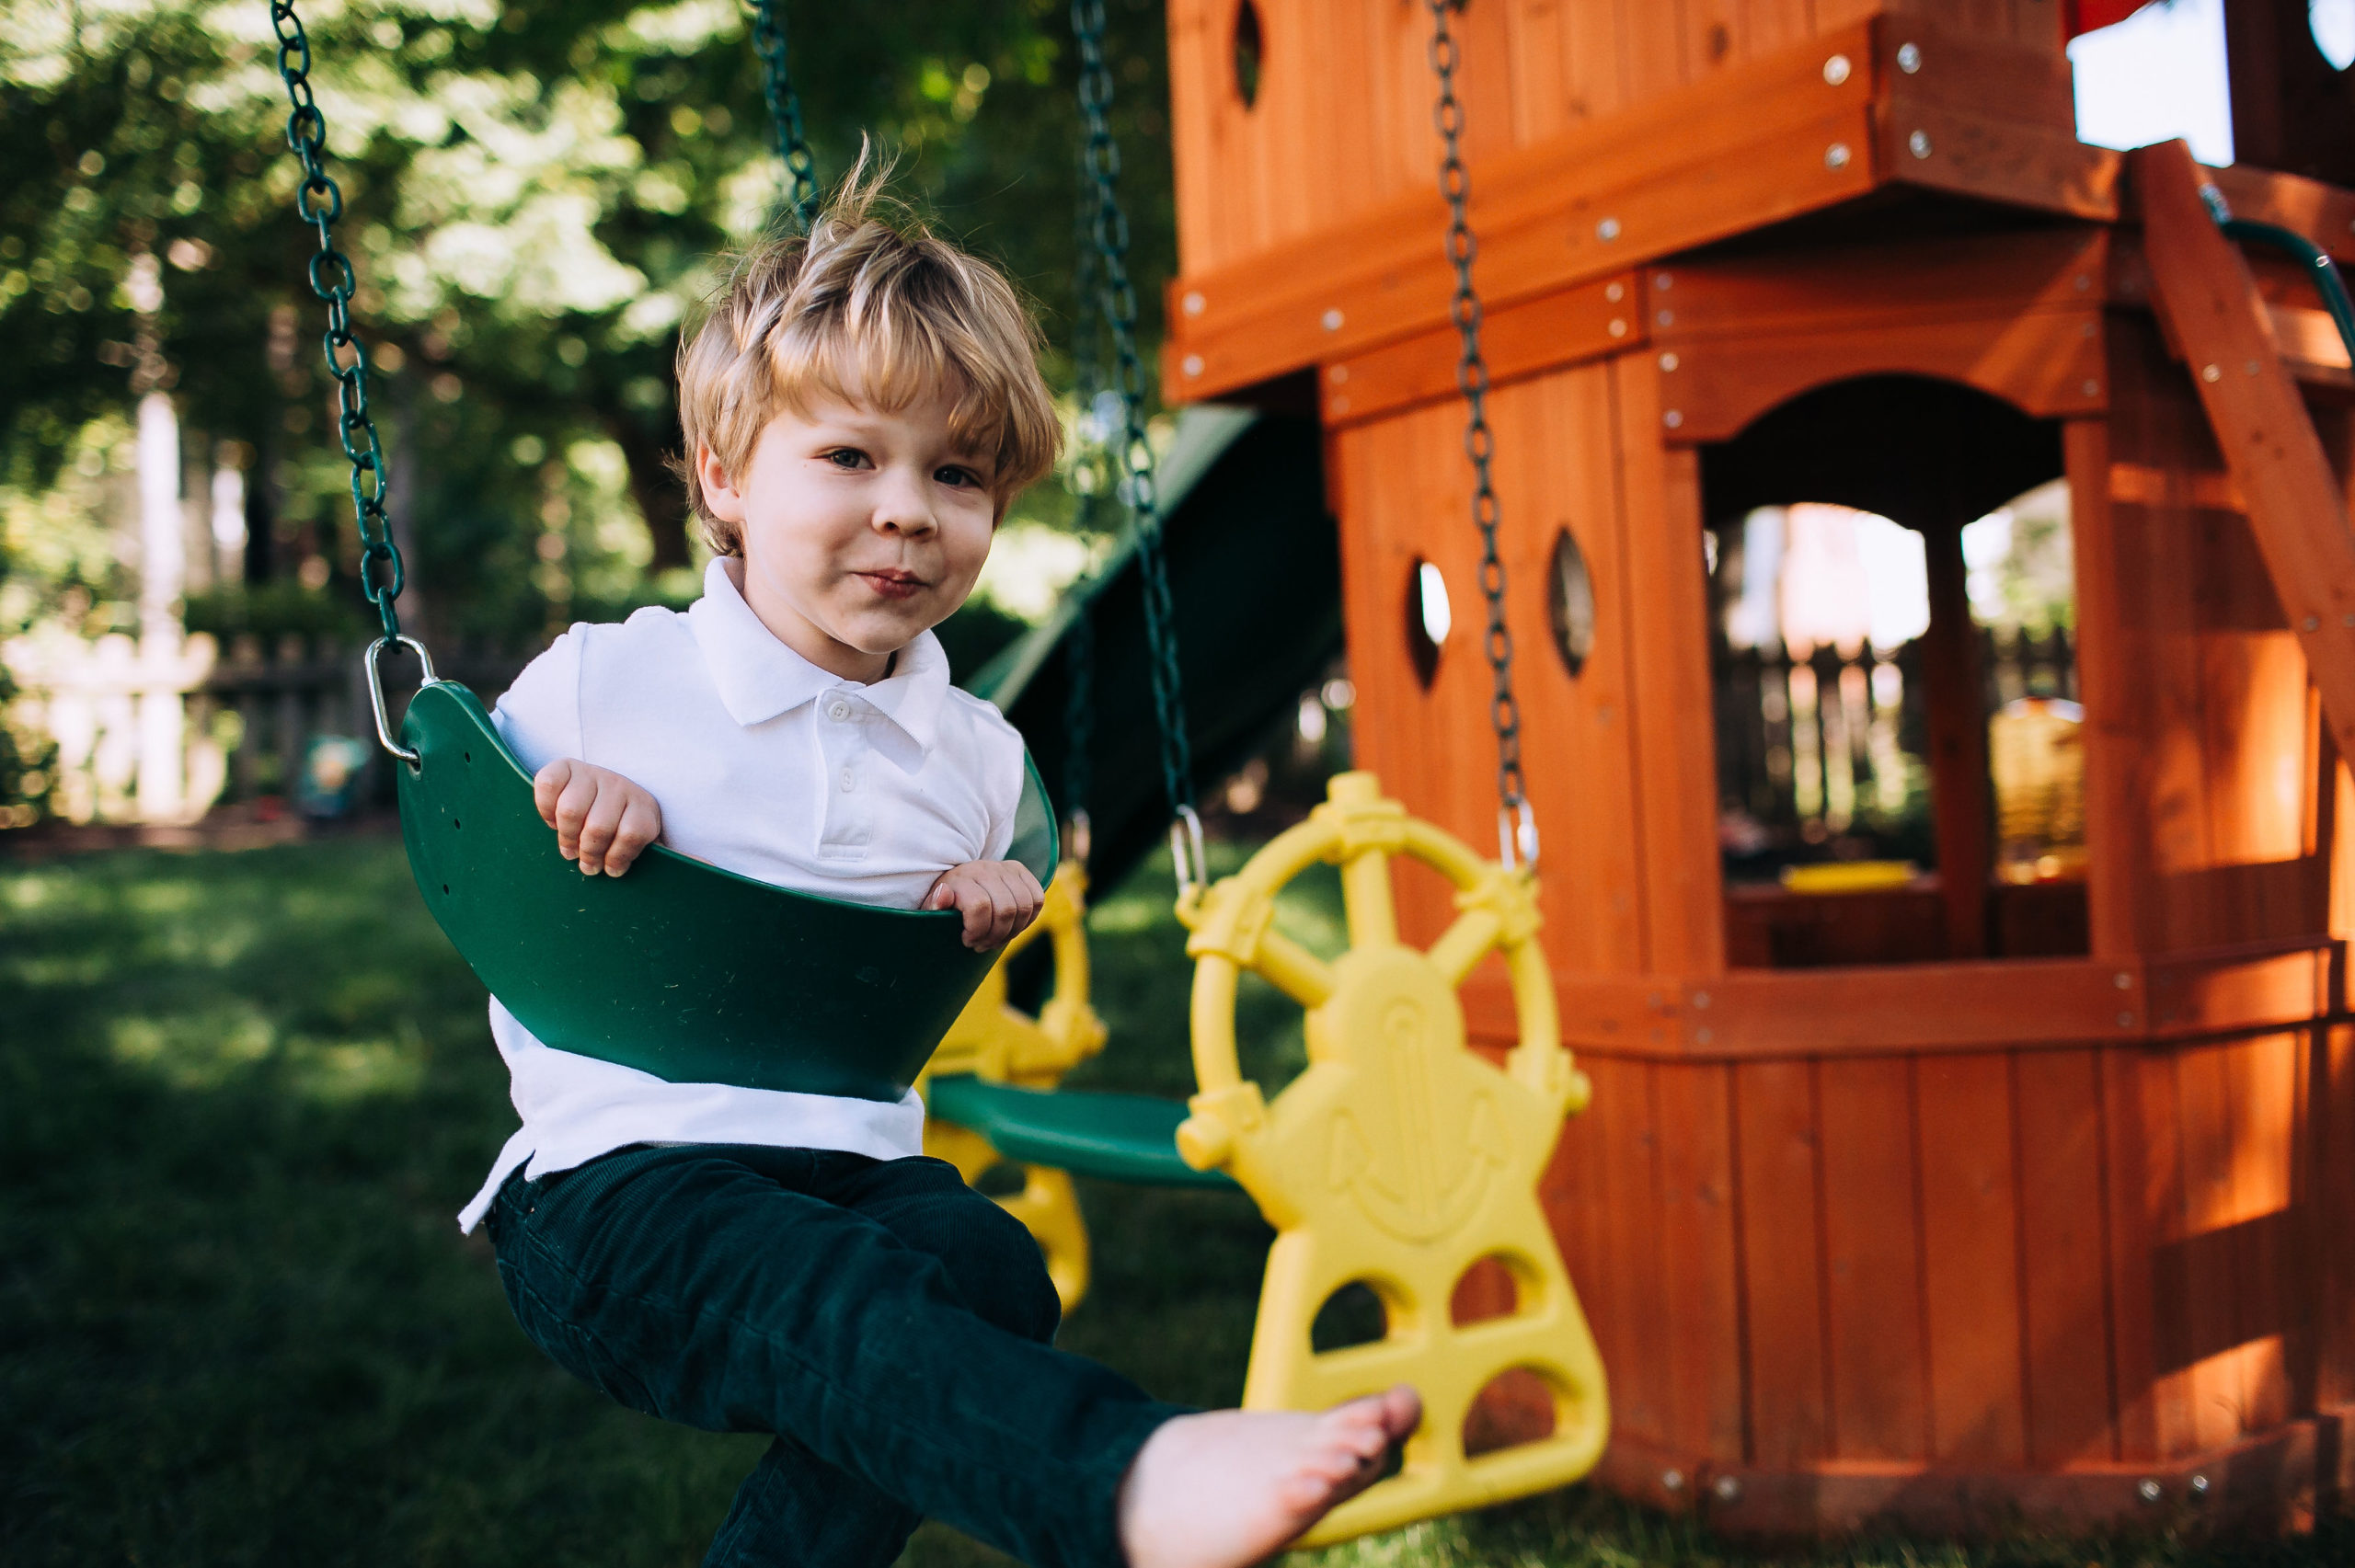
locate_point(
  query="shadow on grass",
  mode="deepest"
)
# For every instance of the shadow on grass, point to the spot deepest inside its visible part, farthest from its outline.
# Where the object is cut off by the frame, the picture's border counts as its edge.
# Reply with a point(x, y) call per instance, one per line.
point(241, 1097)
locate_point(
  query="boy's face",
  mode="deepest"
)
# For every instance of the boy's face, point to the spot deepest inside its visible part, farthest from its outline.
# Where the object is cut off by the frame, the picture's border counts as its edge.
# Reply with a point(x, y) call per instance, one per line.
point(861, 528)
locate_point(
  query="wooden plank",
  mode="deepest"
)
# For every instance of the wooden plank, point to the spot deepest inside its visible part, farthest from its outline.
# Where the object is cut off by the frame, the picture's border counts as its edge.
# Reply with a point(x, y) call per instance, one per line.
point(1639, 1378)
point(2066, 1273)
point(2295, 508)
point(1680, 170)
point(1970, 1244)
point(1671, 697)
point(1873, 1272)
point(2108, 687)
point(2229, 992)
point(1963, 153)
point(1980, 71)
point(2050, 365)
point(2141, 1173)
point(1782, 1265)
point(1701, 1299)
point(2261, 1075)
point(1557, 472)
point(2208, 1348)
point(2334, 1100)
point(1543, 333)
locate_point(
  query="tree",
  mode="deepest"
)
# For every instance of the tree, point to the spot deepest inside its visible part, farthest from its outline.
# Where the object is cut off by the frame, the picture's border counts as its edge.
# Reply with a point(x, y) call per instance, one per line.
point(533, 193)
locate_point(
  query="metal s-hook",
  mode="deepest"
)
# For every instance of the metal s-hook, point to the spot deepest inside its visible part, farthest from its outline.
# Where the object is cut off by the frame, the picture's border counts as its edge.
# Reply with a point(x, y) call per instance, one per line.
point(1186, 856)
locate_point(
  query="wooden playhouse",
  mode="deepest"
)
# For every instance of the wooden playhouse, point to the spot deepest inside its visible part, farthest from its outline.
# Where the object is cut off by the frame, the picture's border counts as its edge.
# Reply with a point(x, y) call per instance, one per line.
point(1967, 1199)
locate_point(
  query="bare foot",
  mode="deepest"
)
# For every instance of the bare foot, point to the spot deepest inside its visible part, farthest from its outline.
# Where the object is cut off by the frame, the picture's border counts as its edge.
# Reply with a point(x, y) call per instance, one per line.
point(1229, 1487)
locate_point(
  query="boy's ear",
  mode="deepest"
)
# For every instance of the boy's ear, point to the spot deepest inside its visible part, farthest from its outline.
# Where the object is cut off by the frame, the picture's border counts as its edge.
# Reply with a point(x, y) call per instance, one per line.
point(720, 496)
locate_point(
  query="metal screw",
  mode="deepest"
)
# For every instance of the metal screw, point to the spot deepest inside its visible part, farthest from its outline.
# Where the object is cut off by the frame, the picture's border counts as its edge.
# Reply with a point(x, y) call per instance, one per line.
point(1700, 998)
point(1918, 143)
point(2210, 374)
point(2092, 389)
point(1663, 281)
point(1332, 319)
point(2123, 980)
point(1671, 419)
point(1618, 327)
point(2149, 1490)
point(1193, 364)
point(2348, 621)
point(1337, 375)
point(1836, 70)
point(1194, 302)
point(1614, 293)
point(2312, 625)
point(1666, 319)
point(1672, 1481)
point(1836, 156)
point(2126, 1021)
point(2083, 282)
point(1702, 1036)
point(2090, 330)
point(1909, 58)
point(2250, 366)
point(1340, 406)
point(2200, 1486)
point(1728, 1489)
point(1668, 361)
point(1607, 230)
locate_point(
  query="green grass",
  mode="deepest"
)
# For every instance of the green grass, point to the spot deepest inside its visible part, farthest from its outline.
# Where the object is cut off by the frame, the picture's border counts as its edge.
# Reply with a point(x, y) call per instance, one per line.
point(241, 1097)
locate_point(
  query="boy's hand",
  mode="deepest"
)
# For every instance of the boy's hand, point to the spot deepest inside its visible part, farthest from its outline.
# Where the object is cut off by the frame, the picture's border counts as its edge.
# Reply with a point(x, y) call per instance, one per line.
point(998, 897)
point(601, 820)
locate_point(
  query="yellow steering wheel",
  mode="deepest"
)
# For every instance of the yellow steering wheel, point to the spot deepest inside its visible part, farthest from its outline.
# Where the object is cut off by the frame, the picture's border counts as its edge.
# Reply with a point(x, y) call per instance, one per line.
point(1400, 1159)
point(995, 1040)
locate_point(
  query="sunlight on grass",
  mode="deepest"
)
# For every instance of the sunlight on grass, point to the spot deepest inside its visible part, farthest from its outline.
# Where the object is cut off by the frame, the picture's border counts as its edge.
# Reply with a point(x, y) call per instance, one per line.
point(245, 1095)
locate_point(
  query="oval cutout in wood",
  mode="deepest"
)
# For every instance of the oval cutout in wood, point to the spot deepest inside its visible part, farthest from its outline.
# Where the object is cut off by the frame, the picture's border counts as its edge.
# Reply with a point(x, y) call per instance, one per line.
point(1249, 50)
point(1570, 602)
point(1428, 620)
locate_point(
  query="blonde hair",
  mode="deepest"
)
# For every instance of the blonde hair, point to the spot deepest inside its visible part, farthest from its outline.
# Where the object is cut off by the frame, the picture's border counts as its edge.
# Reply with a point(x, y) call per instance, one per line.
point(869, 298)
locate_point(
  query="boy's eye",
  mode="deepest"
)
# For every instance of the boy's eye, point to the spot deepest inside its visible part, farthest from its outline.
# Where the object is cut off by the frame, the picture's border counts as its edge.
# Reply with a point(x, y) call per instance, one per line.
point(960, 477)
point(847, 457)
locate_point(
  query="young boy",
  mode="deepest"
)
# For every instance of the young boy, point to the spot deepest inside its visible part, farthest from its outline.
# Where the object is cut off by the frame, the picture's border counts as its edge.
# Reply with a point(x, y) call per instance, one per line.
point(859, 410)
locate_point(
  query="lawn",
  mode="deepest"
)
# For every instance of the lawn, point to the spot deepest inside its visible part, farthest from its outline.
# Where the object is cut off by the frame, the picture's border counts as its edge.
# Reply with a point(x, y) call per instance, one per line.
point(241, 1097)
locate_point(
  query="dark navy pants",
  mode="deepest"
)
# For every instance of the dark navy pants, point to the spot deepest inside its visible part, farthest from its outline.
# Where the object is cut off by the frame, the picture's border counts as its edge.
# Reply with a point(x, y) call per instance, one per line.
point(887, 1323)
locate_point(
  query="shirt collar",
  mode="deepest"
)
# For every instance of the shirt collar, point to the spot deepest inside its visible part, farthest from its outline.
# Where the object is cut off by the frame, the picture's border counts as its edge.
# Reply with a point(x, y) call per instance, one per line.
point(758, 676)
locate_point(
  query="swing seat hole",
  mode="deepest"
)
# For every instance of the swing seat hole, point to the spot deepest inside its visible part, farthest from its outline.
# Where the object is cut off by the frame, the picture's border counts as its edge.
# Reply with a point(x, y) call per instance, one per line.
point(455, 823)
point(445, 888)
point(1487, 1290)
point(1516, 1406)
point(1352, 1316)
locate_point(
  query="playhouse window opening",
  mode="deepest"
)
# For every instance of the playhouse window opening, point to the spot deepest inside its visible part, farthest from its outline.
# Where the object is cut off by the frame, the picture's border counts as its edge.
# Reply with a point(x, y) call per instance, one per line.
point(1901, 778)
point(1250, 53)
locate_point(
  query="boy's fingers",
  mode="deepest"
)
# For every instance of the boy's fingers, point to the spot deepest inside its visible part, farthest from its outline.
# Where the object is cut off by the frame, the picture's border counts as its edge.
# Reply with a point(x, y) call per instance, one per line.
point(641, 824)
point(572, 807)
point(604, 820)
point(981, 914)
point(548, 784)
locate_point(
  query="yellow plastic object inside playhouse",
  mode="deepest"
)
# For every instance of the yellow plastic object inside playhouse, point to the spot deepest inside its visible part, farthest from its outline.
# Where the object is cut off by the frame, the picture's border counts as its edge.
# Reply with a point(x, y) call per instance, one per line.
point(993, 1040)
point(1400, 1159)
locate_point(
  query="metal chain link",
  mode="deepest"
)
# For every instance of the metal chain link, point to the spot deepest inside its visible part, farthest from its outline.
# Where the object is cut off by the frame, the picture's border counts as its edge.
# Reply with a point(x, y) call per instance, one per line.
point(320, 203)
point(801, 177)
point(1109, 231)
point(1090, 458)
point(1516, 829)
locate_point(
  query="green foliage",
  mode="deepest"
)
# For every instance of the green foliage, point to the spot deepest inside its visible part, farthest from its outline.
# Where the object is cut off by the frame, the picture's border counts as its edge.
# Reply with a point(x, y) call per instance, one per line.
point(244, 1093)
point(535, 193)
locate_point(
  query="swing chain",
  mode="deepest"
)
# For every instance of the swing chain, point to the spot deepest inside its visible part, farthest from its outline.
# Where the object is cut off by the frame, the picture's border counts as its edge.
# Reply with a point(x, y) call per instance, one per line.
point(1516, 825)
point(801, 177)
point(320, 202)
point(1117, 296)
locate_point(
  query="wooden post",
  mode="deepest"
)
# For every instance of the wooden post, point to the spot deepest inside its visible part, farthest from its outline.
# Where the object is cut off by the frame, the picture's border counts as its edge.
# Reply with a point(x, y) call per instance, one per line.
point(1950, 680)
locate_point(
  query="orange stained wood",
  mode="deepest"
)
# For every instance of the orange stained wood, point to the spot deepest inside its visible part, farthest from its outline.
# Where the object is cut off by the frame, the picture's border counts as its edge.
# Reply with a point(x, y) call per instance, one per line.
point(2296, 508)
point(1681, 169)
point(2065, 1291)
point(2018, 315)
point(1874, 1323)
point(1776, 1121)
point(1577, 324)
point(1701, 1307)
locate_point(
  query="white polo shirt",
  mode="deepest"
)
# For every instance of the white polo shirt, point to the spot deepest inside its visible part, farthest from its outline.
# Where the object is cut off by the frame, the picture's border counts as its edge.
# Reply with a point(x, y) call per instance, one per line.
point(776, 768)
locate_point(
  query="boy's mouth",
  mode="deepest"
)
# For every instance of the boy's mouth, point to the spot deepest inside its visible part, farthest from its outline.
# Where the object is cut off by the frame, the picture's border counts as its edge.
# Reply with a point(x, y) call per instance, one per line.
point(893, 583)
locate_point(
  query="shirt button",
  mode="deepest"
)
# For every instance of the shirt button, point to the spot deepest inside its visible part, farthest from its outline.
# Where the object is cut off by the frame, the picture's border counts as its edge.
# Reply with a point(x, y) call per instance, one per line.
point(850, 780)
point(838, 711)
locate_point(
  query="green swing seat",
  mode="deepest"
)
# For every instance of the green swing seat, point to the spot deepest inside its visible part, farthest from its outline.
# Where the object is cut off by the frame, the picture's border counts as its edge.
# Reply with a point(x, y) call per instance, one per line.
point(680, 969)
